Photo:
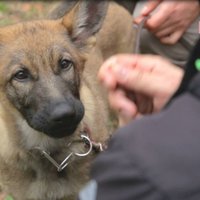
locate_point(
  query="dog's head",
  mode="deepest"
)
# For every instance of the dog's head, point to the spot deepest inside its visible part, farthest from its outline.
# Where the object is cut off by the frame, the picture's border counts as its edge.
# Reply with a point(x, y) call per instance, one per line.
point(41, 64)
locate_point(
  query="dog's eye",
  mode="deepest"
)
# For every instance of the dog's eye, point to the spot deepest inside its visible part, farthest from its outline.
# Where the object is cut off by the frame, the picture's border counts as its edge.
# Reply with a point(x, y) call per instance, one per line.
point(65, 64)
point(22, 75)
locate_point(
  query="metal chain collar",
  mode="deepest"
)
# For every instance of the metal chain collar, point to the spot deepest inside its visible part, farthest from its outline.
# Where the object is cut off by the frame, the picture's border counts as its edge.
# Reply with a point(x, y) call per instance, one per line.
point(85, 139)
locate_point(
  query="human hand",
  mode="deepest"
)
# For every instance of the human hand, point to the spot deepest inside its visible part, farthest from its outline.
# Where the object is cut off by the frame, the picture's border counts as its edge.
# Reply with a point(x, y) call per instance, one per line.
point(171, 18)
point(139, 84)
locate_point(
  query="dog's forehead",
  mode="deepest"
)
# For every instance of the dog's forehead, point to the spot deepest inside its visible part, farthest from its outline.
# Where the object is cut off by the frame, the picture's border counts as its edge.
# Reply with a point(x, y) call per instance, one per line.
point(35, 37)
point(35, 43)
point(43, 36)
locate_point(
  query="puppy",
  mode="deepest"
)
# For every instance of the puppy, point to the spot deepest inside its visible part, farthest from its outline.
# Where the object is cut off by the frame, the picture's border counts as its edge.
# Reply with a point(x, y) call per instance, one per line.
point(53, 113)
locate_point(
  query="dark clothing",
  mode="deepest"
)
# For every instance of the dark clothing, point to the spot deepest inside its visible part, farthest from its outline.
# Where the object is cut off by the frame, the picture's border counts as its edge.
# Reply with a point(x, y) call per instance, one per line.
point(156, 157)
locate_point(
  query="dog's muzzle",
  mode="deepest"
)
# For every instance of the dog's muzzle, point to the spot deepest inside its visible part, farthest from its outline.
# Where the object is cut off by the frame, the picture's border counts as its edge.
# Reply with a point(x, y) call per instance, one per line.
point(58, 119)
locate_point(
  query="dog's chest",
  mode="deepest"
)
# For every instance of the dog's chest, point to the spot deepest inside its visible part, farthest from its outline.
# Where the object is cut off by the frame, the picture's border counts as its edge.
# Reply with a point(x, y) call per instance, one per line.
point(48, 183)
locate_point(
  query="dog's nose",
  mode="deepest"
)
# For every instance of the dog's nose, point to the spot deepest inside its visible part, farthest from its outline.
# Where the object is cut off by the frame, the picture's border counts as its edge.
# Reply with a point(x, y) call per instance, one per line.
point(59, 119)
point(62, 113)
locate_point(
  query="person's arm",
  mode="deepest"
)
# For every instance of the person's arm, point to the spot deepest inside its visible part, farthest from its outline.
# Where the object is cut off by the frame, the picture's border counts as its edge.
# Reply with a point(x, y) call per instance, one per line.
point(139, 84)
point(170, 19)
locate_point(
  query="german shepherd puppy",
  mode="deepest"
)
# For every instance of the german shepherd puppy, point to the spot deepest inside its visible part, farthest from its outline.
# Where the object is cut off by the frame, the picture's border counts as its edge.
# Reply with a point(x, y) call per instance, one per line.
point(50, 99)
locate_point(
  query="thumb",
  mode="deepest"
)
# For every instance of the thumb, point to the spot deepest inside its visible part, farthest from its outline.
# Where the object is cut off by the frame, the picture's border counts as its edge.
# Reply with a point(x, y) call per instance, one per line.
point(150, 6)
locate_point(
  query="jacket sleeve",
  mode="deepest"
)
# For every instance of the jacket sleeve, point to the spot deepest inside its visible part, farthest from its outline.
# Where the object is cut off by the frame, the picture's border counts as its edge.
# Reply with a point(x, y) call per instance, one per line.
point(118, 176)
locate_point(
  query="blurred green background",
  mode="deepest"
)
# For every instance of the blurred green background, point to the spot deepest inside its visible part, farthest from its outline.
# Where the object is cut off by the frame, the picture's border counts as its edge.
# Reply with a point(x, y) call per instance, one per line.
point(16, 11)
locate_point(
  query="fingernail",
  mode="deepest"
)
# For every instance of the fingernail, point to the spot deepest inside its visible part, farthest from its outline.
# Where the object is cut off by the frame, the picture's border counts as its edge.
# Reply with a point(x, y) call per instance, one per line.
point(144, 10)
point(121, 72)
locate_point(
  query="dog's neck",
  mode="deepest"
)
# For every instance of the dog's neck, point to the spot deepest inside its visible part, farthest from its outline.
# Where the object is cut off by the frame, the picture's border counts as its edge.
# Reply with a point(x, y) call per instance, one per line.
point(58, 152)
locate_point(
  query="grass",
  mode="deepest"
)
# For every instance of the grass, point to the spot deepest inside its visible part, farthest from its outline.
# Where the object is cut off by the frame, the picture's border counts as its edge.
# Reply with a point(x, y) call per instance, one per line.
point(15, 11)
point(3, 7)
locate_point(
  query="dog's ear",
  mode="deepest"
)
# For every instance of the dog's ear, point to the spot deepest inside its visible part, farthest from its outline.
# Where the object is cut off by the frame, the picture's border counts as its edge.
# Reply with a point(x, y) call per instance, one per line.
point(61, 9)
point(85, 20)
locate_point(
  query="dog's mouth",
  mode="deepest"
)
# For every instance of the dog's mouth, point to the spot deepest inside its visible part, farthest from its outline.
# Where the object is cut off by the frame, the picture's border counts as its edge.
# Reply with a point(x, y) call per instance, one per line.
point(60, 131)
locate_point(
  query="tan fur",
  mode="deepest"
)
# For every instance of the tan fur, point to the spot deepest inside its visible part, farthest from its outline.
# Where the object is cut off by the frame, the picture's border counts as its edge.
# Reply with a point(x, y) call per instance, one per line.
point(24, 173)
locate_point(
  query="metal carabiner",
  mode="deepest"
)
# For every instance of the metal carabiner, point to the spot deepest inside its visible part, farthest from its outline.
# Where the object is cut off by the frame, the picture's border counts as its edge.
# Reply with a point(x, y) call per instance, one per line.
point(87, 140)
